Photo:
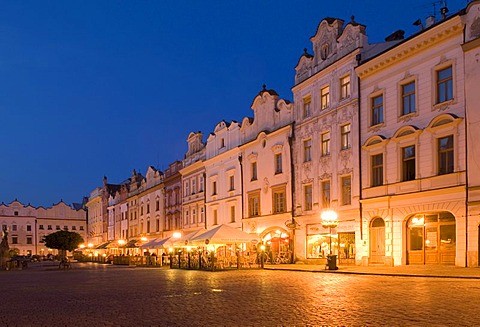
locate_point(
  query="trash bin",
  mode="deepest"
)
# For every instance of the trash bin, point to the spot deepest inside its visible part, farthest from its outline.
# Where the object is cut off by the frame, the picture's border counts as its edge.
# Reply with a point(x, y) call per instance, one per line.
point(331, 262)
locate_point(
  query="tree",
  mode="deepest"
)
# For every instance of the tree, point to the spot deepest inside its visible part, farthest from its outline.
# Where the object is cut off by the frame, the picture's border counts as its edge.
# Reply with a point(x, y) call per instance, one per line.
point(63, 241)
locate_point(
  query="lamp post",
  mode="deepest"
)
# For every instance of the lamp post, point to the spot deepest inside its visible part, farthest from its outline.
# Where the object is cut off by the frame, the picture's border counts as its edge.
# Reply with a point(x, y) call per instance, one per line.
point(330, 220)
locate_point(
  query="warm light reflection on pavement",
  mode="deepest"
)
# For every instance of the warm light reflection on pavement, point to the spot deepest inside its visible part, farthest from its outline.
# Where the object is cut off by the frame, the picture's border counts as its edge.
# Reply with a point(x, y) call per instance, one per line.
point(109, 295)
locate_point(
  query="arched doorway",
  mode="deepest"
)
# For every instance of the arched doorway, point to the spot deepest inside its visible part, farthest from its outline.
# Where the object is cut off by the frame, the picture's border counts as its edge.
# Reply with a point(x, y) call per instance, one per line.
point(277, 246)
point(431, 239)
point(377, 241)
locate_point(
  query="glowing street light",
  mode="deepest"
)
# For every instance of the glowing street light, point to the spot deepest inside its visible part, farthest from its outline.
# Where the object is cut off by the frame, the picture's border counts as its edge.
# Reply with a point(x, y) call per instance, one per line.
point(330, 220)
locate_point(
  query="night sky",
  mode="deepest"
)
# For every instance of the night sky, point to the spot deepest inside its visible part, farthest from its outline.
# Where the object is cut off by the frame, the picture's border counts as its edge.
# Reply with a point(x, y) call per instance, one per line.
point(94, 88)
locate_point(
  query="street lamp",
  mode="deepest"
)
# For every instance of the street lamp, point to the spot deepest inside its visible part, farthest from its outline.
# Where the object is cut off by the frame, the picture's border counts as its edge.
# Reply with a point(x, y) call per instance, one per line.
point(330, 220)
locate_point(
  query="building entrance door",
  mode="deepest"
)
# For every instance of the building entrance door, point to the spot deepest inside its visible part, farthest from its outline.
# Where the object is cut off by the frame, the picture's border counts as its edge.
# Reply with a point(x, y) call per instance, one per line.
point(431, 239)
point(377, 241)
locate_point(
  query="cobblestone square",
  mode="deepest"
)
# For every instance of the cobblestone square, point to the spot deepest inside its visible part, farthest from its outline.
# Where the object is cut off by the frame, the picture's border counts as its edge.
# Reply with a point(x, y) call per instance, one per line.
point(105, 295)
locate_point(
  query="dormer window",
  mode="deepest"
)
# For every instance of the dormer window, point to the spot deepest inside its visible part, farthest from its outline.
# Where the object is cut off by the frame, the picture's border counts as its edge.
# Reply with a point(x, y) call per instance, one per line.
point(324, 51)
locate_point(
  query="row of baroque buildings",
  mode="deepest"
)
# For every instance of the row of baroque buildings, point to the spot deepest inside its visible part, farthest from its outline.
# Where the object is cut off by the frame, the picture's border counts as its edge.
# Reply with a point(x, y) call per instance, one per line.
point(26, 225)
point(383, 133)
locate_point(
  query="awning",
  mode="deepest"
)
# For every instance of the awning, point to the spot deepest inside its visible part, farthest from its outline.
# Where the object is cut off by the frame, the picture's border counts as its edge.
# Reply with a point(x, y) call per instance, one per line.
point(186, 240)
point(224, 234)
point(130, 244)
point(103, 245)
point(151, 243)
point(160, 243)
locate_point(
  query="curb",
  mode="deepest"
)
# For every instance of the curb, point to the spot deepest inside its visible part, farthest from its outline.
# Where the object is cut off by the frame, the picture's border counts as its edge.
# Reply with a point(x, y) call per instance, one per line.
point(371, 273)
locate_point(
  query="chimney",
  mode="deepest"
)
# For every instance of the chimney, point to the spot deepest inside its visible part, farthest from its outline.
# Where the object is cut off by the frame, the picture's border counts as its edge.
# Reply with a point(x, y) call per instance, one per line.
point(395, 36)
point(429, 21)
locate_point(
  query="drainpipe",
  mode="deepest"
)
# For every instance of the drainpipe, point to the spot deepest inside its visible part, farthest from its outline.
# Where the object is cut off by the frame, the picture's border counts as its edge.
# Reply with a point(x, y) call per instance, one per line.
point(291, 140)
point(205, 199)
point(240, 160)
point(359, 58)
point(466, 165)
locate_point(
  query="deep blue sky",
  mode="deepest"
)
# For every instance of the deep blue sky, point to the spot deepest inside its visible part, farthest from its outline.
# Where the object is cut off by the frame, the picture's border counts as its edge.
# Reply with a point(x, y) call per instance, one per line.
point(93, 88)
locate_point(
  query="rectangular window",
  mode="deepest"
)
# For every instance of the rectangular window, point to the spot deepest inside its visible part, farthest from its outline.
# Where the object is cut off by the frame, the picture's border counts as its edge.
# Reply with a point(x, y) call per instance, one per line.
point(215, 217)
point(444, 85)
point(40, 227)
point(29, 240)
point(377, 169)
point(445, 155)
point(81, 227)
point(254, 204)
point(157, 225)
point(157, 205)
point(345, 87)
point(254, 171)
point(74, 227)
point(148, 226)
point(200, 184)
point(326, 194)
point(325, 97)
point(307, 150)
point(408, 98)
point(57, 227)
point(194, 186)
point(377, 110)
point(14, 240)
point(49, 227)
point(65, 228)
point(29, 228)
point(306, 107)
point(232, 214)
point(279, 200)
point(325, 144)
point(194, 216)
point(214, 188)
point(346, 190)
point(148, 208)
point(278, 163)
point(408, 163)
point(186, 217)
point(308, 197)
point(14, 228)
point(202, 214)
point(232, 183)
point(345, 137)
point(141, 210)
point(186, 188)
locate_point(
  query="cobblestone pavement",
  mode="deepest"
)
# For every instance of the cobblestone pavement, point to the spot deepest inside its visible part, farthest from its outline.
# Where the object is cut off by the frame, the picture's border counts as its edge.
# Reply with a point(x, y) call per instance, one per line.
point(104, 295)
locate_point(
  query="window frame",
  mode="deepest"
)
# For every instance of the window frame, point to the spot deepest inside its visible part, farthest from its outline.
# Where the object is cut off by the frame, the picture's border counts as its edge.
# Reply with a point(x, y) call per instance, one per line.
point(345, 88)
point(325, 139)
point(445, 82)
point(409, 163)
point(374, 107)
point(254, 204)
point(376, 170)
point(278, 163)
point(346, 137)
point(325, 97)
point(307, 150)
point(450, 154)
point(308, 197)
point(408, 97)
point(307, 107)
point(326, 201)
point(346, 200)
point(279, 199)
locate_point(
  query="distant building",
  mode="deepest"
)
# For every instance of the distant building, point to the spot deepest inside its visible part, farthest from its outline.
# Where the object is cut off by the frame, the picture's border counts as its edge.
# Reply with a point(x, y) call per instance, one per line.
point(28, 225)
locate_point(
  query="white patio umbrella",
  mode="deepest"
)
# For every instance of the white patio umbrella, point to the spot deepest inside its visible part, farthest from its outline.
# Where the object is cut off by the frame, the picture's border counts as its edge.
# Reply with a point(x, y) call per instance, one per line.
point(186, 240)
point(150, 243)
point(224, 234)
point(160, 243)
